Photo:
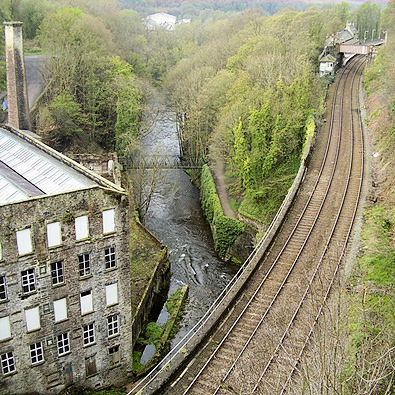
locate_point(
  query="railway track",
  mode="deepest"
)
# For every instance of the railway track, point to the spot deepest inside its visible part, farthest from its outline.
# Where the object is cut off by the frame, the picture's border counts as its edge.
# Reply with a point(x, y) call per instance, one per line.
point(259, 344)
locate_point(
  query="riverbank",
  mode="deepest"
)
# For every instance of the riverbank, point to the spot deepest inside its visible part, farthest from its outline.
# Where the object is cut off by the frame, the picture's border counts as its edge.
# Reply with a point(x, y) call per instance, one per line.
point(175, 217)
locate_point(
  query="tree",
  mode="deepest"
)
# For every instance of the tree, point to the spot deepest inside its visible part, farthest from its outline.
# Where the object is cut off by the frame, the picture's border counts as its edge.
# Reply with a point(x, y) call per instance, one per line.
point(103, 86)
point(368, 20)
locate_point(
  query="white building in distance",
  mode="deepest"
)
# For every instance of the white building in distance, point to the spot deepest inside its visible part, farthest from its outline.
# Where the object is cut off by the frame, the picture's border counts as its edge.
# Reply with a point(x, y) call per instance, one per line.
point(164, 21)
point(161, 20)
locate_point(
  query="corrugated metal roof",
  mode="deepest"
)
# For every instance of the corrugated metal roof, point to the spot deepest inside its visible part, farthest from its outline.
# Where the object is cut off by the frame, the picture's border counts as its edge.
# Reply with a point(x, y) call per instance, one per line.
point(28, 171)
point(9, 192)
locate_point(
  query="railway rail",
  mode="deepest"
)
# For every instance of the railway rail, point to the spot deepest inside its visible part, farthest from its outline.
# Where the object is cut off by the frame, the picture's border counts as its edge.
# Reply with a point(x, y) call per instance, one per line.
point(259, 344)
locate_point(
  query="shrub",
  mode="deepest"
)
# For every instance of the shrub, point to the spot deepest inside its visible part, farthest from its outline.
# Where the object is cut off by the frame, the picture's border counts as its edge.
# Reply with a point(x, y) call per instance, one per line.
point(225, 229)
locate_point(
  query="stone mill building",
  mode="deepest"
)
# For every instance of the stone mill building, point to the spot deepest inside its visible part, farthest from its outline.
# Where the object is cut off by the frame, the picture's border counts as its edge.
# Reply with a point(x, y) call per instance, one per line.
point(66, 313)
point(64, 271)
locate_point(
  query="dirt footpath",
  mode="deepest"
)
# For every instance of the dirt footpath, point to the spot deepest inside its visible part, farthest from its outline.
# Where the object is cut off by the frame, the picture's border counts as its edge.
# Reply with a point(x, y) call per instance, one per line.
point(222, 189)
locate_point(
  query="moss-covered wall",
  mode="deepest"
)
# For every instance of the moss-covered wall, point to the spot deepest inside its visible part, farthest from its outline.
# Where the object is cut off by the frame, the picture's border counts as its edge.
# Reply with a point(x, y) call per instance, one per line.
point(225, 230)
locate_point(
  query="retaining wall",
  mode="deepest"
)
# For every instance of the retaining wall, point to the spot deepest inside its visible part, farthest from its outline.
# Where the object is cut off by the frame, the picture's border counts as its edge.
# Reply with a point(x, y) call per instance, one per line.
point(161, 375)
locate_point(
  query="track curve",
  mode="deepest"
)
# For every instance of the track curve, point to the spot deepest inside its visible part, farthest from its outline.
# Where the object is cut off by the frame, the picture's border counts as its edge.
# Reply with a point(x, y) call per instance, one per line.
point(259, 344)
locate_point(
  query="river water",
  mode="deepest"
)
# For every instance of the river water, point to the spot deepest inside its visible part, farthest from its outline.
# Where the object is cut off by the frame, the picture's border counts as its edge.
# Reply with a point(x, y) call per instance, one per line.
point(175, 217)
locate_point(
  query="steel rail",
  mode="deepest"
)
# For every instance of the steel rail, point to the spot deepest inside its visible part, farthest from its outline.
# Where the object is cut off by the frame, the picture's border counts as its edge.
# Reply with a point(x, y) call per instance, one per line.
point(322, 255)
point(282, 250)
point(147, 380)
point(161, 366)
point(285, 385)
point(286, 279)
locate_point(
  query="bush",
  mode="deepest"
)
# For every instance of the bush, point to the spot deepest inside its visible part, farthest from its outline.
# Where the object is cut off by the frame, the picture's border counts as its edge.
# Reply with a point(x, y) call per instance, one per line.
point(225, 229)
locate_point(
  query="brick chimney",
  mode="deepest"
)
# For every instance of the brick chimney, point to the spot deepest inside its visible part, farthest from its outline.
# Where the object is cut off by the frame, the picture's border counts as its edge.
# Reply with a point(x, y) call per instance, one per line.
point(18, 107)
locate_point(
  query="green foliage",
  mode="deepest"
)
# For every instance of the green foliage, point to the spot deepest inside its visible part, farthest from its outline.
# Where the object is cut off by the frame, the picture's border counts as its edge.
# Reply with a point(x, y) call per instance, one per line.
point(128, 107)
point(137, 366)
point(173, 299)
point(368, 20)
point(152, 333)
point(263, 71)
point(372, 304)
point(378, 261)
point(103, 86)
point(309, 131)
point(225, 229)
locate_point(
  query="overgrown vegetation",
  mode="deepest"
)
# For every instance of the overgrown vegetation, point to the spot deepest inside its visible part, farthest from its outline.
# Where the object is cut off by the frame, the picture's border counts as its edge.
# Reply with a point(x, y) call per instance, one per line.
point(160, 336)
point(225, 229)
point(372, 300)
point(244, 96)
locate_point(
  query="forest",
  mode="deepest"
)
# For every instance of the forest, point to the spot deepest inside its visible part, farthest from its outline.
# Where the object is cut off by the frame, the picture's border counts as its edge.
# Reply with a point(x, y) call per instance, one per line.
point(243, 82)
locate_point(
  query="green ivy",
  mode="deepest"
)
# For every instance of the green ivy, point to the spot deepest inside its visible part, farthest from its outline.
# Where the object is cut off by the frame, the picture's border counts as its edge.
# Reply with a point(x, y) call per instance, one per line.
point(225, 229)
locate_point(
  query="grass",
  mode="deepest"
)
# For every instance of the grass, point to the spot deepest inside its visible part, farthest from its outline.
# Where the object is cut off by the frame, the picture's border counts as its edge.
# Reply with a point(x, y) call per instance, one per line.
point(137, 366)
point(372, 303)
point(378, 263)
point(153, 333)
point(234, 204)
point(173, 300)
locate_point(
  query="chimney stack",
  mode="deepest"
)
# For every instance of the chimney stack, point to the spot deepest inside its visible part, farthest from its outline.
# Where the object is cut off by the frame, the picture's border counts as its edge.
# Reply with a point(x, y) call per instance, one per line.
point(18, 105)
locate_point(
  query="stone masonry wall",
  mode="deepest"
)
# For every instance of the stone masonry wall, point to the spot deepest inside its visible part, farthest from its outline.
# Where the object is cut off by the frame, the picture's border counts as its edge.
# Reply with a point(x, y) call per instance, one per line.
point(56, 372)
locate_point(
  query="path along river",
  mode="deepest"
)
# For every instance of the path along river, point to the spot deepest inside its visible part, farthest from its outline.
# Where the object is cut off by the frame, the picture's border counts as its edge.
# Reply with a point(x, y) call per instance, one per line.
point(175, 217)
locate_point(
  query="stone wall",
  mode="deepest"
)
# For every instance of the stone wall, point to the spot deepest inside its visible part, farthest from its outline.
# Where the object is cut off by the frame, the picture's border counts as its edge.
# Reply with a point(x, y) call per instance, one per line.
point(163, 372)
point(90, 365)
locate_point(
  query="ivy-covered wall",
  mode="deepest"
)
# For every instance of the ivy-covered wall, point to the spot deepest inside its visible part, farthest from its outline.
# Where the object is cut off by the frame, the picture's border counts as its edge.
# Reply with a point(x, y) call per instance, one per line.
point(225, 230)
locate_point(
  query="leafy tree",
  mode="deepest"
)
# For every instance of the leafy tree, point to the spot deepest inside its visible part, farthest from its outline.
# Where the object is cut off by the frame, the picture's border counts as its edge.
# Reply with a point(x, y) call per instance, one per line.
point(368, 20)
point(102, 85)
point(66, 119)
point(343, 11)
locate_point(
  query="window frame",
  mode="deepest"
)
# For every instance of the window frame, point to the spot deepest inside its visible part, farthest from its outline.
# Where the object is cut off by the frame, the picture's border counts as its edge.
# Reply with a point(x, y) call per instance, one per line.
point(110, 301)
point(28, 276)
point(6, 321)
point(114, 350)
point(108, 219)
point(84, 265)
point(21, 239)
point(36, 351)
point(9, 356)
point(55, 273)
point(3, 288)
point(113, 325)
point(56, 241)
point(33, 313)
point(57, 302)
point(84, 294)
point(88, 334)
point(110, 258)
point(81, 227)
point(63, 342)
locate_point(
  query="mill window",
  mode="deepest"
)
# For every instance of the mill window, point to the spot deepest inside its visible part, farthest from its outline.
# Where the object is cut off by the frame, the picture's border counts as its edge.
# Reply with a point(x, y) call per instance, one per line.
point(3, 288)
point(114, 355)
point(8, 363)
point(113, 325)
point(54, 234)
point(28, 281)
point(89, 334)
point(63, 344)
point(36, 353)
point(84, 265)
point(109, 257)
point(24, 241)
point(86, 302)
point(57, 273)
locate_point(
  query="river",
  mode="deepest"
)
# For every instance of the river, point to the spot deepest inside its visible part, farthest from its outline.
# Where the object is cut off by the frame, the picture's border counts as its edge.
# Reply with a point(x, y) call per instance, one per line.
point(175, 217)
